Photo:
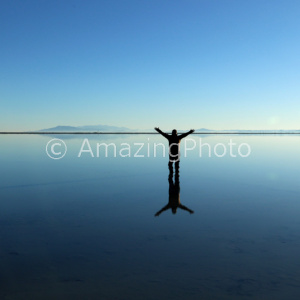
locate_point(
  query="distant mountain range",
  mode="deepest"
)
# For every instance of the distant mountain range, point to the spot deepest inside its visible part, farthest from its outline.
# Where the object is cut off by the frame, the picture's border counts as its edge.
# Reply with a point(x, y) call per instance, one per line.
point(107, 128)
point(88, 128)
point(104, 128)
point(100, 128)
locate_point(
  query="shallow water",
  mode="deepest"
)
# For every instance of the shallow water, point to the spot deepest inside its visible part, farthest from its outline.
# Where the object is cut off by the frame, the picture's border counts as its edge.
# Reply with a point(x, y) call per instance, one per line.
point(85, 227)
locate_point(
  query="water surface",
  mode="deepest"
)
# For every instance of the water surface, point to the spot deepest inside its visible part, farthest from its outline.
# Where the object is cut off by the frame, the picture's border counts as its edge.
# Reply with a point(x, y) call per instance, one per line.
point(85, 227)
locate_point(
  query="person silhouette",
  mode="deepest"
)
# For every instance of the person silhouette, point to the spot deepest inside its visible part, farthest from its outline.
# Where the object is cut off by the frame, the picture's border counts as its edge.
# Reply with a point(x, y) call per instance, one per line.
point(174, 195)
point(174, 145)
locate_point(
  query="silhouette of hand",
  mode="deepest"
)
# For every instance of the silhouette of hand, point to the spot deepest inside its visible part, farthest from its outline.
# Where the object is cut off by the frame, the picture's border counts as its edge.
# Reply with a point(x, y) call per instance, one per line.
point(156, 215)
point(156, 128)
point(192, 130)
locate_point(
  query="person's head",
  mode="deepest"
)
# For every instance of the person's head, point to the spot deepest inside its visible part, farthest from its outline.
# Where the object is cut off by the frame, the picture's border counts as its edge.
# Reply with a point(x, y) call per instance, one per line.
point(174, 132)
point(174, 209)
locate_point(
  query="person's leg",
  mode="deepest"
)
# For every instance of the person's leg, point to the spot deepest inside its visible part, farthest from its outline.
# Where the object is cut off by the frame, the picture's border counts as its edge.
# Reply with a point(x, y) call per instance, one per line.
point(177, 176)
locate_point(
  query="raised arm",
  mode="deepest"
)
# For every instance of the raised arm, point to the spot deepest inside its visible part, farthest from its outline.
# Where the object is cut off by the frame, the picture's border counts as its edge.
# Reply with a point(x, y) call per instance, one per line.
point(163, 209)
point(185, 208)
point(161, 132)
point(186, 134)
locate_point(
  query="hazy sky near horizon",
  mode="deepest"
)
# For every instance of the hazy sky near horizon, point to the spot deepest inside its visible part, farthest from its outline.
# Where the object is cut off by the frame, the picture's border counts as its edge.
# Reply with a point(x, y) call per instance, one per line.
point(218, 64)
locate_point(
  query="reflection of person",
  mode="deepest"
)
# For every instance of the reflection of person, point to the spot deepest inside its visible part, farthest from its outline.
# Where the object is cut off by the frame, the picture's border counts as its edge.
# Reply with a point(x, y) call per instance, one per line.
point(174, 141)
point(174, 195)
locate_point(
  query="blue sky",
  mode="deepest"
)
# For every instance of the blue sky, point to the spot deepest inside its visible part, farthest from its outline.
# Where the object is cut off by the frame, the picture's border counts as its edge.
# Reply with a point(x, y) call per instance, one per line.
point(174, 64)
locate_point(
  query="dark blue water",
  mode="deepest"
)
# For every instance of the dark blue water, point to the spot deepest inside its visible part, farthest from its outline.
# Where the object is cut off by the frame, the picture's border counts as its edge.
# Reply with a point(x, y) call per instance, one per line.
point(85, 227)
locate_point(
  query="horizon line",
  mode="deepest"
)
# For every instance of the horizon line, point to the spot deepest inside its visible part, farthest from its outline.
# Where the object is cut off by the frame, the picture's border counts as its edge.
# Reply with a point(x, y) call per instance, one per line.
point(255, 131)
